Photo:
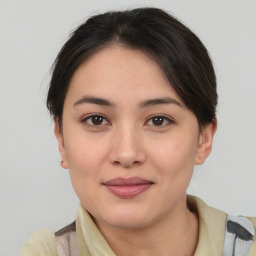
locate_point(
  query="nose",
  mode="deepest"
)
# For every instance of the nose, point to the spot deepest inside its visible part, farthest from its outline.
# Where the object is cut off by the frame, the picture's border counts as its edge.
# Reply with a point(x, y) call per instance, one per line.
point(127, 148)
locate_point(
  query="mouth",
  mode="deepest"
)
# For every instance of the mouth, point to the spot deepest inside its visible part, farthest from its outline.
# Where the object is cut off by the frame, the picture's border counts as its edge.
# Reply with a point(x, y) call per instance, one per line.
point(128, 187)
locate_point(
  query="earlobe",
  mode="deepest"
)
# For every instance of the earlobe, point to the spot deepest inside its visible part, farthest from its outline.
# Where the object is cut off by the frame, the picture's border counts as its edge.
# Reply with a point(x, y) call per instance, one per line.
point(205, 142)
point(61, 145)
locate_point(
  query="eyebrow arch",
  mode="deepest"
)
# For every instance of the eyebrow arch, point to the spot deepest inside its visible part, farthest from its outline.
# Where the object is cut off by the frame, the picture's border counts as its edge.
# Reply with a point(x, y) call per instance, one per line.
point(159, 101)
point(94, 100)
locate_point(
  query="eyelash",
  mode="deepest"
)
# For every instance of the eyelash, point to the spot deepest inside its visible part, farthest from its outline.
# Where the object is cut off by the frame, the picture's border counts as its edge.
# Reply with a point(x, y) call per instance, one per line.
point(90, 116)
point(167, 121)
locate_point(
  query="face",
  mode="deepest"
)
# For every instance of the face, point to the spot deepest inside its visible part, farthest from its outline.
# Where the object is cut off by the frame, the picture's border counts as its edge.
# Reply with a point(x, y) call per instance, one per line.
point(128, 140)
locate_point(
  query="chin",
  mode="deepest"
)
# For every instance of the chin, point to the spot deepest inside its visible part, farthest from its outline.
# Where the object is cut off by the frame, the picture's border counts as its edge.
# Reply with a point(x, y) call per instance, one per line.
point(128, 222)
point(124, 217)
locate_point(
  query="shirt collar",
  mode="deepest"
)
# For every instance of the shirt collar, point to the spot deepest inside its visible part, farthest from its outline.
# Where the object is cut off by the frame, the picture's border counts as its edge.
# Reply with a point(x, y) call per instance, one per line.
point(211, 228)
point(211, 231)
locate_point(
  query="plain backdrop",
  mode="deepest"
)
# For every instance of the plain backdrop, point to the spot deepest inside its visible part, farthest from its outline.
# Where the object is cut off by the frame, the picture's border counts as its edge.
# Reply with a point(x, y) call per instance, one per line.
point(35, 191)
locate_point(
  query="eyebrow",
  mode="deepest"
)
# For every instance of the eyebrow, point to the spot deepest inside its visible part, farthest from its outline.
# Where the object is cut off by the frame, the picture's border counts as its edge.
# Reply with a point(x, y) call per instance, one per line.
point(159, 101)
point(143, 104)
point(94, 100)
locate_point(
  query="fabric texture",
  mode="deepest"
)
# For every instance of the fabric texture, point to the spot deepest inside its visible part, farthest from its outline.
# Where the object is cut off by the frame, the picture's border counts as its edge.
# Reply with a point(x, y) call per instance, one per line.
point(66, 241)
point(238, 236)
point(90, 241)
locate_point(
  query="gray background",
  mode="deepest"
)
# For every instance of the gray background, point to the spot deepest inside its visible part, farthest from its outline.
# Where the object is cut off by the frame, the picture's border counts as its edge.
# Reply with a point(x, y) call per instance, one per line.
point(35, 191)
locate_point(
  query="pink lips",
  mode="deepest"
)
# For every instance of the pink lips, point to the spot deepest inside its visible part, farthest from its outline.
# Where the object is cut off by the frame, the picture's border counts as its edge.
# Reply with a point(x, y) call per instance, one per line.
point(127, 188)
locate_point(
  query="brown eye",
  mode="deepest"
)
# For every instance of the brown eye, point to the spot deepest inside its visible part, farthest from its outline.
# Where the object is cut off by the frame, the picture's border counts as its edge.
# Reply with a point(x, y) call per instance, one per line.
point(95, 120)
point(159, 121)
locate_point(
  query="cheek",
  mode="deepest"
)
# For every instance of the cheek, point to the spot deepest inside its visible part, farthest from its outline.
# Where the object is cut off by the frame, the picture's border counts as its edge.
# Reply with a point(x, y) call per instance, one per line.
point(83, 151)
point(175, 157)
point(85, 159)
point(85, 165)
point(176, 149)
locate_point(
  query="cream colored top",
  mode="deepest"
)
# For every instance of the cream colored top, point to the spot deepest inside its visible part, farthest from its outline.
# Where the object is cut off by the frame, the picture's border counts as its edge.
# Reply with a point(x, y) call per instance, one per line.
point(92, 243)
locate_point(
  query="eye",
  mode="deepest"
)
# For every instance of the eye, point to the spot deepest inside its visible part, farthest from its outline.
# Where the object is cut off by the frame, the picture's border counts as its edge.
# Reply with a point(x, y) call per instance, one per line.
point(95, 120)
point(159, 121)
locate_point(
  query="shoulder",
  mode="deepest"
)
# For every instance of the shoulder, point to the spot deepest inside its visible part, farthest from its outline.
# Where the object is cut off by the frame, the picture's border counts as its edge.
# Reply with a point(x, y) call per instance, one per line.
point(214, 228)
point(253, 249)
point(41, 243)
point(253, 221)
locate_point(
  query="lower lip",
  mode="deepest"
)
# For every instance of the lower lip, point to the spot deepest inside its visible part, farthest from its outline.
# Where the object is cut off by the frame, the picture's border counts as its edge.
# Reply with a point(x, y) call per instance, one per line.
point(128, 191)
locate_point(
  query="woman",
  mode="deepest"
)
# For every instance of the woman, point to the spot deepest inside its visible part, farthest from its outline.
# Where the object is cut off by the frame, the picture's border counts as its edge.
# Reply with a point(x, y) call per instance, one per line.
point(133, 96)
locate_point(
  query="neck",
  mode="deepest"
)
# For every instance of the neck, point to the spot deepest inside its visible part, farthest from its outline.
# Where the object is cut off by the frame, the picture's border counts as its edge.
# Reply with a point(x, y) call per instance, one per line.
point(175, 234)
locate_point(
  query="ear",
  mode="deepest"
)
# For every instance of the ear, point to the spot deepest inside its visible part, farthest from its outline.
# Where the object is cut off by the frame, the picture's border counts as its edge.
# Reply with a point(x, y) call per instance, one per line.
point(205, 142)
point(60, 139)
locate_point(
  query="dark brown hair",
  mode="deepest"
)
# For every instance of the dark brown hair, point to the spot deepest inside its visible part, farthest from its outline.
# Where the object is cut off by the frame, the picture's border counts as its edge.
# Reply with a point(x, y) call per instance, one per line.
point(178, 51)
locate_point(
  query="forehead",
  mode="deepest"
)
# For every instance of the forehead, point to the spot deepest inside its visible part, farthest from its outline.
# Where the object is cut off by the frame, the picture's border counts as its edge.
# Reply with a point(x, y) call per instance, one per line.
point(118, 70)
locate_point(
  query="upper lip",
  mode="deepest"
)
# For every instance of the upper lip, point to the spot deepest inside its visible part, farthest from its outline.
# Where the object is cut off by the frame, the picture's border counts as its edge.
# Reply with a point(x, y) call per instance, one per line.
point(127, 181)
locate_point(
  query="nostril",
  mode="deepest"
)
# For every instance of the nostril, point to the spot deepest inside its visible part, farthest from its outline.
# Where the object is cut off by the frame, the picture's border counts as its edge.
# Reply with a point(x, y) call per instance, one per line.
point(126, 164)
point(116, 163)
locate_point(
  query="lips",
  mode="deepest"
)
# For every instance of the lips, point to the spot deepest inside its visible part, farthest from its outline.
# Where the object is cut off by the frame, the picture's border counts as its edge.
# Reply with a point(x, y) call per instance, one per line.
point(127, 188)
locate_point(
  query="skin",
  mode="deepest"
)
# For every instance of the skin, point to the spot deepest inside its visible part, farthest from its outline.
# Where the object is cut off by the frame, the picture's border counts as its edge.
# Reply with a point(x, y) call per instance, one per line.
point(127, 142)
